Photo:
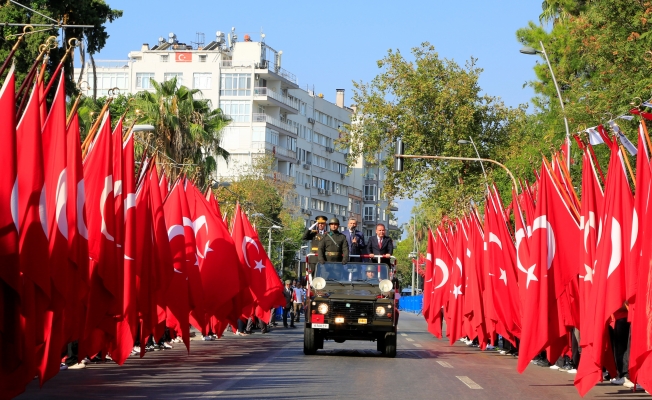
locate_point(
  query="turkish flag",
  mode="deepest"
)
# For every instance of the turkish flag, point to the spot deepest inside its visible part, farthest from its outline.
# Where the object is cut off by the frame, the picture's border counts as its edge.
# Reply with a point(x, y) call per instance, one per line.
point(127, 325)
point(474, 306)
point(178, 293)
point(501, 261)
point(217, 255)
point(15, 350)
point(609, 277)
point(214, 204)
point(183, 56)
point(105, 284)
point(77, 234)
point(164, 186)
point(592, 201)
point(458, 285)
point(640, 364)
point(427, 280)
point(552, 247)
point(440, 283)
point(56, 191)
point(33, 244)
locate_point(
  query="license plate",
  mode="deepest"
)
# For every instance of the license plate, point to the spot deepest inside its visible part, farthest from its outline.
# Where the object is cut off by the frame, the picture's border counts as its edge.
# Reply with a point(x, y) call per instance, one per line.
point(362, 320)
point(320, 326)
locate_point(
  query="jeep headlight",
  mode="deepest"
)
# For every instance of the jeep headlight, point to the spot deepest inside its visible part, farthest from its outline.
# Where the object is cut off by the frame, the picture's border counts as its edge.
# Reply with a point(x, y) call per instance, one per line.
point(380, 311)
point(322, 308)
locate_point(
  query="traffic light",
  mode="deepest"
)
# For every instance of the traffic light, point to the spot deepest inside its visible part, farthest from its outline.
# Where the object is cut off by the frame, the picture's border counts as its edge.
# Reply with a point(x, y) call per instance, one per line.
point(400, 149)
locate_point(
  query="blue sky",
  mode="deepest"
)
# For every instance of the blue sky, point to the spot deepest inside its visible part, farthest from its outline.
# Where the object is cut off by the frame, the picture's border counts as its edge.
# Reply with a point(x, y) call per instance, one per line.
point(330, 44)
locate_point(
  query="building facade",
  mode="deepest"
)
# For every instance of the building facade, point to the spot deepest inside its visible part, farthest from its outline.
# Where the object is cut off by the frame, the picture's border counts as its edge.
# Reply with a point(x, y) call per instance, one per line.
point(270, 114)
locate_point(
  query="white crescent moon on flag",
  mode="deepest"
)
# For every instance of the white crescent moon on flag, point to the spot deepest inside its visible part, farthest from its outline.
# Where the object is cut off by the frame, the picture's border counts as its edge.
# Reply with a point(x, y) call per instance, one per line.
point(541, 223)
point(587, 227)
point(130, 202)
point(634, 230)
point(43, 212)
point(493, 238)
point(117, 188)
point(520, 235)
point(108, 188)
point(616, 246)
point(14, 203)
point(81, 200)
point(175, 230)
point(246, 240)
point(62, 200)
point(444, 270)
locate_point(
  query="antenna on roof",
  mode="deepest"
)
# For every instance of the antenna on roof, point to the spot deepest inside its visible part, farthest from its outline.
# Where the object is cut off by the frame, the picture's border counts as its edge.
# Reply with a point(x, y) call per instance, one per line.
point(200, 40)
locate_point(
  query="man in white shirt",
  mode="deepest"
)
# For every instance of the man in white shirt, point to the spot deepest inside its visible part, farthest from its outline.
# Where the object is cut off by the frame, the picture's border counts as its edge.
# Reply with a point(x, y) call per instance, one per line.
point(298, 298)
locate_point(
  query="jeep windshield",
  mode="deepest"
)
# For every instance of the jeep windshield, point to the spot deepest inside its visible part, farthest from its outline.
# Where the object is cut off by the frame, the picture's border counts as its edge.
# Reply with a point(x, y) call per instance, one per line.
point(352, 272)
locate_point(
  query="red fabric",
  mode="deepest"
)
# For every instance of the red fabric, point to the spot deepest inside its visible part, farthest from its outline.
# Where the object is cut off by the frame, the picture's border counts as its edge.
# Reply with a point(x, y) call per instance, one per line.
point(440, 283)
point(501, 261)
point(640, 364)
point(164, 186)
point(458, 283)
point(592, 201)
point(105, 285)
point(15, 351)
point(428, 315)
point(213, 203)
point(551, 246)
point(609, 279)
point(217, 255)
point(474, 307)
point(56, 191)
point(178, 295)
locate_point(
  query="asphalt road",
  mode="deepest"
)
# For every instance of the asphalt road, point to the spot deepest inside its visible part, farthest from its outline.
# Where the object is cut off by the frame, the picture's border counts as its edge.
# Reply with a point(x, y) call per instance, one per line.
point(274, 366)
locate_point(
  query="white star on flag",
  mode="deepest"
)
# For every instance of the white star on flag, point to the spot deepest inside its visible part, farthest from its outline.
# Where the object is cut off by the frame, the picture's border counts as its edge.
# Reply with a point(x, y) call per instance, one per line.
point(457, 290)
point(589, 274)
point(503, 275)
point(259, 265)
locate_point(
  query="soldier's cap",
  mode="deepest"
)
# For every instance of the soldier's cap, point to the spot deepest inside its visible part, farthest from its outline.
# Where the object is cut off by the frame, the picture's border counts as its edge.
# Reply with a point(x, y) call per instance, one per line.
point(334, 221)
point(370, 268)
point(287, 282)
point(321, 218)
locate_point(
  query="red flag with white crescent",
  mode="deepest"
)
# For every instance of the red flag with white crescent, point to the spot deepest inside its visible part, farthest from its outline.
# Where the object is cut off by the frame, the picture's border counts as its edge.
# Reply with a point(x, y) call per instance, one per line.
point(442, 264)
point(427, 280)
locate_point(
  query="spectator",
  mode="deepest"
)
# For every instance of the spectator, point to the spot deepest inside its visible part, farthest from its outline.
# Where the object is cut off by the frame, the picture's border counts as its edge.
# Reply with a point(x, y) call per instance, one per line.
point(287, 292)
point(298, 297)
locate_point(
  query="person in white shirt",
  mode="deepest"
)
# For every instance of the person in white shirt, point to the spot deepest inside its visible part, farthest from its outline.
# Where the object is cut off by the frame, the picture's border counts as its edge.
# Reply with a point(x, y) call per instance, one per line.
point(298, 297)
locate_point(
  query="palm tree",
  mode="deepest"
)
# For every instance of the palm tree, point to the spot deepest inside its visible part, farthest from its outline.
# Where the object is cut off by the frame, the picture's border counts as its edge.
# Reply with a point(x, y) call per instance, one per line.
point(187, 130)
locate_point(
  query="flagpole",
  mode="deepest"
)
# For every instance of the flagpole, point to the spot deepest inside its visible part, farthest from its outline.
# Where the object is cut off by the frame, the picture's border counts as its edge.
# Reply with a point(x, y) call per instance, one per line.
point(14, 48)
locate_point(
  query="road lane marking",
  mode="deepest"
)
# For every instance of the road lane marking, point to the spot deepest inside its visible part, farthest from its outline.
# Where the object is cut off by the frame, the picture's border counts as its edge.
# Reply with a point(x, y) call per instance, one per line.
point(409, 340)
point(444, 364)
point(403, 334)
point(468, 382)
point(417, 345)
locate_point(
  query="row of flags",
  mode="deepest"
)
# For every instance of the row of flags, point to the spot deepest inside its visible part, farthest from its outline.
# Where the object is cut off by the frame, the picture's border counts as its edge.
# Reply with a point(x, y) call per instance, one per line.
point(92, 252)
point(551, 262)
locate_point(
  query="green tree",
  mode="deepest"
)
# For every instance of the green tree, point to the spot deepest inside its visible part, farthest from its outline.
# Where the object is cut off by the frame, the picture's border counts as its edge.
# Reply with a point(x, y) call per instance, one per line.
point(430, 103)
point(187, 131)
point(78, 12)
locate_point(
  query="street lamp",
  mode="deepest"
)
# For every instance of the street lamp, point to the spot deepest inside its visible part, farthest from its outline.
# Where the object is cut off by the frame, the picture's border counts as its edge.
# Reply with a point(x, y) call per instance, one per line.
point(462, 141)
point(532, 51)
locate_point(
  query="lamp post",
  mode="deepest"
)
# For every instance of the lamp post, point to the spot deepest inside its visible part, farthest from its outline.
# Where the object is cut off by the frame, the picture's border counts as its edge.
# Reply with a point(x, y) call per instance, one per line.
point(462, 141)
point(532, 51)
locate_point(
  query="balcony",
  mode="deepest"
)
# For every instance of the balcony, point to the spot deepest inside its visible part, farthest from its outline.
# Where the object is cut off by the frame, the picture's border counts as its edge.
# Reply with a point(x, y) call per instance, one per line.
point(266, 68)
point(393, 224)
point(271, 98)
point(275, 149)
point(279, 176)
point(393, 206)
point(353, 192)
point(259, 117)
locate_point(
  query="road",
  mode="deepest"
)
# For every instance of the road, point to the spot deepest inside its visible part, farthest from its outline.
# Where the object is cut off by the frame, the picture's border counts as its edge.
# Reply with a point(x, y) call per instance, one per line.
point(273, 366)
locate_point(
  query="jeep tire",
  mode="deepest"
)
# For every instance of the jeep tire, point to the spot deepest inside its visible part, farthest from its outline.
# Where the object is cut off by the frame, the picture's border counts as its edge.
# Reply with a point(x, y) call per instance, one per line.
point(309, 341)
point(390, 344)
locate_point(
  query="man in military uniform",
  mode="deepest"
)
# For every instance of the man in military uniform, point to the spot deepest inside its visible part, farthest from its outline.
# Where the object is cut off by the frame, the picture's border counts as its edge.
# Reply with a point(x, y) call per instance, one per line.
point(333, 245)
point(315, 234)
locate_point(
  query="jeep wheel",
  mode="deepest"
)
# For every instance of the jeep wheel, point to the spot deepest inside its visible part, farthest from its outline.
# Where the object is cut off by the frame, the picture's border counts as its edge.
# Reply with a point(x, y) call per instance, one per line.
point(390, 345)
point(309, 341)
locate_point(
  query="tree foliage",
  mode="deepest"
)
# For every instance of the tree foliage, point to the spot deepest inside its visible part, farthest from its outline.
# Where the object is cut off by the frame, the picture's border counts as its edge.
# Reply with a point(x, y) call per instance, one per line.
point(73, 12)
point(431, 103)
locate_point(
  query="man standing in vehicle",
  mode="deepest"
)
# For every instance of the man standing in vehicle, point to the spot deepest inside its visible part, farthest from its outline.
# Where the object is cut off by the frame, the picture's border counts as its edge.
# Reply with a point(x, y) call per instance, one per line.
point(355, 239)
point(333, 246)
point(381, 245)
point(315, 233)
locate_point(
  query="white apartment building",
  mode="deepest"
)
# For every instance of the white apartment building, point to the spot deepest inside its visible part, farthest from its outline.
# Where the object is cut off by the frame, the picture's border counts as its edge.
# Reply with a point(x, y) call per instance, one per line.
point(270, 114)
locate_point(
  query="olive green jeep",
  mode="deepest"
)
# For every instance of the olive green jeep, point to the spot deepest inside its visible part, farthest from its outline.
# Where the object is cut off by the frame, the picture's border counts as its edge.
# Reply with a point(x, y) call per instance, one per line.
point(353, 301)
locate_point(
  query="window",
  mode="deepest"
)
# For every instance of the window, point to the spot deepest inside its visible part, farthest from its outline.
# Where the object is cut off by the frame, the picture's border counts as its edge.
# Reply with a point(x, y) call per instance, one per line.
point(109, 80)
point(235, 85)
point(171, 75)
point(202, 80)
point(368, 213)
point(143, 80)
point(237, 110)
point(370, 192)
point(165, 58)
point(202, 58)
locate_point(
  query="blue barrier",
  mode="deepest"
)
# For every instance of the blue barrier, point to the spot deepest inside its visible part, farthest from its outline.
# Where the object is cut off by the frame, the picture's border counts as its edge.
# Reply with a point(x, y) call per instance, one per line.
point(411, 303)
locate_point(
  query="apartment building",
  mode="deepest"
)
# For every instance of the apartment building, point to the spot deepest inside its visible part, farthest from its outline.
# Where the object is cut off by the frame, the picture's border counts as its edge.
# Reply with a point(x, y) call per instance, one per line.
point(270, 114)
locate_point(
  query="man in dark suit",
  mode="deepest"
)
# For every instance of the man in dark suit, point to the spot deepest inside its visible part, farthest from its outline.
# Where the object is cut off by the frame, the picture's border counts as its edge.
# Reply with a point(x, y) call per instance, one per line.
point(381, 245)
point(355, 238)
point(287, 293)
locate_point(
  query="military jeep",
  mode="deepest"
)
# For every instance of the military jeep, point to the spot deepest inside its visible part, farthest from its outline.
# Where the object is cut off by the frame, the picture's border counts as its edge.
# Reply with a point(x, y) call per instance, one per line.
point(353, 301)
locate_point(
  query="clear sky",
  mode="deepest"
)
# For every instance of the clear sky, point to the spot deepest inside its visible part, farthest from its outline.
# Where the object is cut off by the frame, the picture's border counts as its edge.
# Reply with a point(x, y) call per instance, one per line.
point(327, 45)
